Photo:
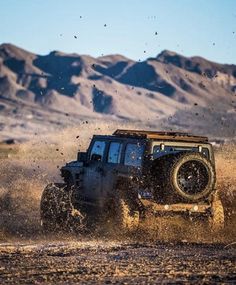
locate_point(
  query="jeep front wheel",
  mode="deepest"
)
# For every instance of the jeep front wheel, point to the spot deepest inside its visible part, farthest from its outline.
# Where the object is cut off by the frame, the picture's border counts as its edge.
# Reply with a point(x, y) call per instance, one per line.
point(57, 212)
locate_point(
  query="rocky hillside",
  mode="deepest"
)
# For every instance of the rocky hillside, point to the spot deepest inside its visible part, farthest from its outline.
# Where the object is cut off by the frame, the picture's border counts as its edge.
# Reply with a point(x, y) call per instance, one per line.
point(170, 89)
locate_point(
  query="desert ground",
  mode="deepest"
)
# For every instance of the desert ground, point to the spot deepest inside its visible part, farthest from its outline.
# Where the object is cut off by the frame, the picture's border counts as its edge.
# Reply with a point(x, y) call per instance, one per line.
point(156, 253)
point(113, 262)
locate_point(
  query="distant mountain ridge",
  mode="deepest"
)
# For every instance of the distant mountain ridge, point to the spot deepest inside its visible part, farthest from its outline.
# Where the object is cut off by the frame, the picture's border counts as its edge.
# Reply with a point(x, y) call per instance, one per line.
point(159, 87)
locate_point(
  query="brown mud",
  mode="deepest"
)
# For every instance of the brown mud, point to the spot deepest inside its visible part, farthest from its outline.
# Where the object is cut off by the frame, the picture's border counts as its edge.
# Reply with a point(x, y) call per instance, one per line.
point(158, 251)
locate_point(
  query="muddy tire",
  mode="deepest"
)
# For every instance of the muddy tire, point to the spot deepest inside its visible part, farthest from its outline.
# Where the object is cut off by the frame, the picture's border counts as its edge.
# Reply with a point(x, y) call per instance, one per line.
point(57, 212)
point(187, 177)
point(126, 218)
point(217, 217)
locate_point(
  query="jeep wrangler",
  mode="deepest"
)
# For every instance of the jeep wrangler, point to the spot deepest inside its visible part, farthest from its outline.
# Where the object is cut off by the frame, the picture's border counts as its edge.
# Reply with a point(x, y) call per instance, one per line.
point(123, 177)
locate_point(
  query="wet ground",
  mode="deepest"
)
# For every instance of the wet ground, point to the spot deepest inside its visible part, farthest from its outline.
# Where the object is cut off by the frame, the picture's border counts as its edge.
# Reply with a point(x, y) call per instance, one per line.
point(107, 262)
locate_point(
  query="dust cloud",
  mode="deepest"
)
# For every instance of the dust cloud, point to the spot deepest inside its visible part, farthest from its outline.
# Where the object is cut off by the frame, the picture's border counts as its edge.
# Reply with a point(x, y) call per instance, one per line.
point(26, 172)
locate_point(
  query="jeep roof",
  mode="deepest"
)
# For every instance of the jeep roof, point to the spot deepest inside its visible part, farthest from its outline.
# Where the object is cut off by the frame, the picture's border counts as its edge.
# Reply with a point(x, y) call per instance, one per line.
point(158, 135)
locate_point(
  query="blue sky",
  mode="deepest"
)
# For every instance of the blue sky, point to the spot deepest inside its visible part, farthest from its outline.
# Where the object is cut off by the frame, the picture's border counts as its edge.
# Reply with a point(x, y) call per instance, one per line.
point(203, 27)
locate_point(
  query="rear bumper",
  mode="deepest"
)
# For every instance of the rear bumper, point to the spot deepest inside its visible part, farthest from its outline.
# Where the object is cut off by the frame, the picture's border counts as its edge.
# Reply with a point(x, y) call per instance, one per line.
point(180, 208)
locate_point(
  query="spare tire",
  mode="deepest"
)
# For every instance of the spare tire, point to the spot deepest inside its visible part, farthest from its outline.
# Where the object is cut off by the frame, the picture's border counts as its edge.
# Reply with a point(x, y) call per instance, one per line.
point(187, 177)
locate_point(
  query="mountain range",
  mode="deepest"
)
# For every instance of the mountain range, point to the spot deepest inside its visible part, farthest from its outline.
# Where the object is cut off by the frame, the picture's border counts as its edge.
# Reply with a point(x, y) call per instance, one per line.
point(167, 91)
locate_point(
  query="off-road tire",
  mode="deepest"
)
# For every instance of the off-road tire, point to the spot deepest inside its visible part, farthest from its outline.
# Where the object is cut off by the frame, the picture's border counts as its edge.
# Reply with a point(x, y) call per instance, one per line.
point(57, 212)
point(168, 181)
point(126, 219)
point(217, 217)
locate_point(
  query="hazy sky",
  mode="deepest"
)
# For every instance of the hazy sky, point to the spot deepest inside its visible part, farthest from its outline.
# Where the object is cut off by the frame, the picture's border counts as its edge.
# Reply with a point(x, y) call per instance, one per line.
point(135, 28)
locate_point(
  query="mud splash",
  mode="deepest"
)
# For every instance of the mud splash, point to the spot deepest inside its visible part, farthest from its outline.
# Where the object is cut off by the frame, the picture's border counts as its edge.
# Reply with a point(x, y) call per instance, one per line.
point(25, 172)
point(24, 175)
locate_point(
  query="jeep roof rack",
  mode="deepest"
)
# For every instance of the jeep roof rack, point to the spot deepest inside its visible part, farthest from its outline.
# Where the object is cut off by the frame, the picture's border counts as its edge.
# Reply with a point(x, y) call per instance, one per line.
point(178, 136)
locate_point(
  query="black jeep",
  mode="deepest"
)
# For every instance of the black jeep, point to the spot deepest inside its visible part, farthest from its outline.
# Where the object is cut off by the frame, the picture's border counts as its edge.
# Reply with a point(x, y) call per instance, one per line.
point(124, 176)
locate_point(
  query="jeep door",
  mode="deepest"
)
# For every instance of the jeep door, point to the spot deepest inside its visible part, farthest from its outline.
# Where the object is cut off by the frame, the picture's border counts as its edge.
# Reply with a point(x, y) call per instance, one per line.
point(92, 178)
point(112, 167)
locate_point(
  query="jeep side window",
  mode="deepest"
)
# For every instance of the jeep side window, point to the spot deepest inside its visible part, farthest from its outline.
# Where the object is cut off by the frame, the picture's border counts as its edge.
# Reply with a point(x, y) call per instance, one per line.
point(97, 151)
point(114, 153)
point(133, 154)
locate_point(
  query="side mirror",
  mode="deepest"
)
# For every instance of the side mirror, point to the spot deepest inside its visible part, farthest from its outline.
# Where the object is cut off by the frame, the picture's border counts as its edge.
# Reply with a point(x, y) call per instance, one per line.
point(96, 157)
point(82, 156)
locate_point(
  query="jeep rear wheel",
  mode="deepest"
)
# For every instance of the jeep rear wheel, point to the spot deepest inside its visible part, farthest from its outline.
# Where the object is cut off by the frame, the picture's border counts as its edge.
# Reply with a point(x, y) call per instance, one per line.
point(126, 218)
point(217, 217)
point(57, 212)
